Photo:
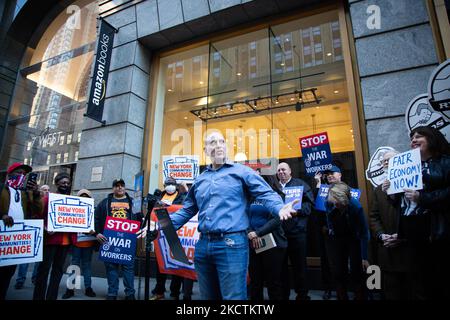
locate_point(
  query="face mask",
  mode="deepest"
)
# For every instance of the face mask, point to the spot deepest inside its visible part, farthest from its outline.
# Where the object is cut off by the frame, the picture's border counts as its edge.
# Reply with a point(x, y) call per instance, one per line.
point(16, 181)
point(171, 189)
point(64, 189)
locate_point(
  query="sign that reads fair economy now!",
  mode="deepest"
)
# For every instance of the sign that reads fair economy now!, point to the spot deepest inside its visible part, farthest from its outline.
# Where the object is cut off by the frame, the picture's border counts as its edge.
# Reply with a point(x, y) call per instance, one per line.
point(316, 153)
point(21, 243)
point(101, 71)
point(121, 245)
point(405, 172)
point(70, 213)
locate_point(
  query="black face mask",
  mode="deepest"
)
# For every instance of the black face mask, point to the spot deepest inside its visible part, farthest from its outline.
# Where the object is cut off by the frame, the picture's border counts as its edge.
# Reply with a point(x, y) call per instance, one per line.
point(64, 189)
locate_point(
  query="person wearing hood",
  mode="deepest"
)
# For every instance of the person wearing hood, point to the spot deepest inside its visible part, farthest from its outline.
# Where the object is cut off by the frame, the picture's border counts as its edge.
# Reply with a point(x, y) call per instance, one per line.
point(18, 202)
point(117, 204)
point(56, 247)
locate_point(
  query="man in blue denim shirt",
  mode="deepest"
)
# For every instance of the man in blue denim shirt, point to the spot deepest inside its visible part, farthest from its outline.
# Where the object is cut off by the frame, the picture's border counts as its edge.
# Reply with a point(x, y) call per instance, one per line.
point(221, 196)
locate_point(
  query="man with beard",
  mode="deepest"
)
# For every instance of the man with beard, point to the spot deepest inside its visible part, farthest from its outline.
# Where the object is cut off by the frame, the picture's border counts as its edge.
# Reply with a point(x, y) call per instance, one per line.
point(56, 247)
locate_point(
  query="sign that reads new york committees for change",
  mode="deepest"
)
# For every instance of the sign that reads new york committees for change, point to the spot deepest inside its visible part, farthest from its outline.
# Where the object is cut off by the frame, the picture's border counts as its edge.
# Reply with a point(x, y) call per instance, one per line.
point(323, 194)
point(70, 213)
point(294, 193)
point(101, 70)
point(182, 168)
point(121, 245)
point(405, 172)
point(316, 153)
point(21, 243)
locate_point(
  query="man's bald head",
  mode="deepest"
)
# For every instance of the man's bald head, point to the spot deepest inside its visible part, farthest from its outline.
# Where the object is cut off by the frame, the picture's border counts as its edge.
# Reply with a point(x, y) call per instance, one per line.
point(284, 172)
point(215, 147)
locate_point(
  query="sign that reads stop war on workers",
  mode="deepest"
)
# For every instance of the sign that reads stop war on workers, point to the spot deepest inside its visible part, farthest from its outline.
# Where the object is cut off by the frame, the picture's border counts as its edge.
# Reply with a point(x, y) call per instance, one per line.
point(70, 213)
point(316, 153)
point(405, 172)
point(21, 243)
point(188, 235)
point(121, 245)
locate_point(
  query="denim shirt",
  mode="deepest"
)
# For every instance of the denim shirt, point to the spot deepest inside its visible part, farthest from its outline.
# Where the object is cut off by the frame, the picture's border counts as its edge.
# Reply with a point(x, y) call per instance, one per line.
point(222, 199)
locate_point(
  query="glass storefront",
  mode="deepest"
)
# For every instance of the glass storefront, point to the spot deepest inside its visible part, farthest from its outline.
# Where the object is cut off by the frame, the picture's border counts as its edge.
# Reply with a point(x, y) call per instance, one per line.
point(263, 90)
point(44, 125)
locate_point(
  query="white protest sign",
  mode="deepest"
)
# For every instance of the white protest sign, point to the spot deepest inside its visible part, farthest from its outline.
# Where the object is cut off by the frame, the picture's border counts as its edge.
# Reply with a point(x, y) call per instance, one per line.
point(21, 243)
point(182, 168)
point(375, 172)
point(70, 213)
point(405, 172)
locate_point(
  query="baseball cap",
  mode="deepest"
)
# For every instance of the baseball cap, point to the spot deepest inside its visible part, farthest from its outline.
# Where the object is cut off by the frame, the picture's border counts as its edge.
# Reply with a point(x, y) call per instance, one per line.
point(334, 169)
point(17, 165)
point(84, 191)
point(117, 181)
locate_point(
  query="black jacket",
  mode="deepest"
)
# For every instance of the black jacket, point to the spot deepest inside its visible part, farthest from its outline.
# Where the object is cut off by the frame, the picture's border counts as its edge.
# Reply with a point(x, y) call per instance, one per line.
point(292, 227)
point(103, 210)
point(435, 197)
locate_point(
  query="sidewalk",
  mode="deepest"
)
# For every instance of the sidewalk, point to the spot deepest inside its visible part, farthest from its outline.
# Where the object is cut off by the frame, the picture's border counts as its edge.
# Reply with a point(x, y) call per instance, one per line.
point(100, 287)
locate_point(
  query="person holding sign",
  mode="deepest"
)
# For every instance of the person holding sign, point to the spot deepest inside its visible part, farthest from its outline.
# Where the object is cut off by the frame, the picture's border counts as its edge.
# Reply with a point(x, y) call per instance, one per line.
point(17, 202)
point(55, 249)
point(348, 240)
point(221, 196)
point(266, 265)
point(296, 232)
point(117, 205)
point(82, 256)
point(172, 194)
point(428, 219)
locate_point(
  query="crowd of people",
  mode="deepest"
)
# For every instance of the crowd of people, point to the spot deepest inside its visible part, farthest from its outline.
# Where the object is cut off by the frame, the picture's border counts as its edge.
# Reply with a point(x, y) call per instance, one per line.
point(238, 206)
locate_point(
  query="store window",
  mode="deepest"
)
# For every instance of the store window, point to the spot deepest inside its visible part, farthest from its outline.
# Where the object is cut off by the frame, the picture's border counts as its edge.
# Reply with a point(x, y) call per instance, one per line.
point(44, 125)
point(269, 88)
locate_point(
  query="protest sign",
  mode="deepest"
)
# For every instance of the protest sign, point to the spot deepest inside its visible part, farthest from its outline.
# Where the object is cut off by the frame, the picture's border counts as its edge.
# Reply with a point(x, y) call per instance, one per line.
point(70, 213)
point(121, 245)
point(316, 153)
point(375, 172)
point(182, 168)
point(188, 235)
point(323, 194)
point(293, 193)
point(21, 243)
point(405, 172)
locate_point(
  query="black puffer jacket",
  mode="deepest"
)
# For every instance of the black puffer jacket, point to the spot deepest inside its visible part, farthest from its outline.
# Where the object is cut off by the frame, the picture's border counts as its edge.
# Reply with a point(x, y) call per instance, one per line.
point(435, 197)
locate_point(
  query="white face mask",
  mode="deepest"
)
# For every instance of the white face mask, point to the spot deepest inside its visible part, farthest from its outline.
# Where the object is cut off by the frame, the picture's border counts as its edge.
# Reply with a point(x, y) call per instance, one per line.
point(170, 189)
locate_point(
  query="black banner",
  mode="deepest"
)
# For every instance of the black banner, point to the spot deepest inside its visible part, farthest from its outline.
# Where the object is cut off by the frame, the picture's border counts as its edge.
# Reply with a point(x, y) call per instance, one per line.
point(101, 70)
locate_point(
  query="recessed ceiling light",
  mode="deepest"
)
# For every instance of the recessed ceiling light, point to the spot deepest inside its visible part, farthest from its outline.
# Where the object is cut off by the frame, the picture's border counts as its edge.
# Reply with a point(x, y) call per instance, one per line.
point(282, 64)
point(288, 112)
point(317, 107)
point(336, 91)
point(329, 54)
point(292, 99)
point(170, 90)
point(201, 82)
point(185, 118)
point(239, 74)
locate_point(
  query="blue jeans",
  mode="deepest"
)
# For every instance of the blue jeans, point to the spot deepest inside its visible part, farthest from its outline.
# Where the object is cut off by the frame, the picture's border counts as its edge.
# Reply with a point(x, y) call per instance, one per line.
point(23, 270)
point(221, 263)
point(82, 257)
point(112, 274)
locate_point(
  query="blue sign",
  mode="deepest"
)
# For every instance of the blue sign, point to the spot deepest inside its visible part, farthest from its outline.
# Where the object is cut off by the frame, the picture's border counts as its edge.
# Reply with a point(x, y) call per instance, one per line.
point(121, 245)
point(293, 193)
point(316, 153)
point(323, 194)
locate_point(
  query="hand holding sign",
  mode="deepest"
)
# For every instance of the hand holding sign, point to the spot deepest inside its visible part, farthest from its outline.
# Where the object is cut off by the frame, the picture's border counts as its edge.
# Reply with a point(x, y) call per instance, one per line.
point(405, 172)
point(287, 212)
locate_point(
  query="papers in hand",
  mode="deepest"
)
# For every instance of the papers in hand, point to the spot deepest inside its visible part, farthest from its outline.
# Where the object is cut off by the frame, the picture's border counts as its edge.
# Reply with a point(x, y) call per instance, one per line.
point(268, 242)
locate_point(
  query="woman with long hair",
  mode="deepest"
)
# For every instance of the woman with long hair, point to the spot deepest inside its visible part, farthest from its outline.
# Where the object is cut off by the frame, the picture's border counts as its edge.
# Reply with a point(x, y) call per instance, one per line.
point(432, 206)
